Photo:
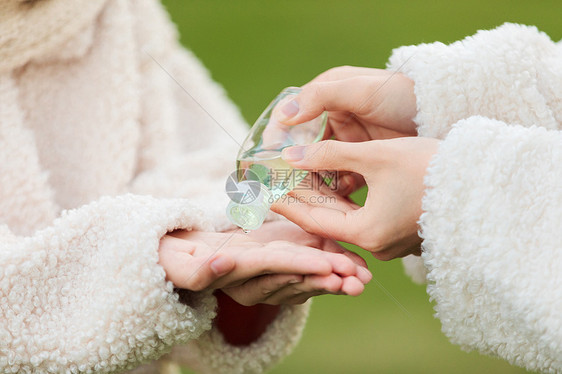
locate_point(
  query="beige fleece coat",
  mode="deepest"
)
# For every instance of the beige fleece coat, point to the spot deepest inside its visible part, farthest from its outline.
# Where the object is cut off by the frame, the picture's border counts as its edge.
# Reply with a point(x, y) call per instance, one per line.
point(111, 135)
point(492, 252)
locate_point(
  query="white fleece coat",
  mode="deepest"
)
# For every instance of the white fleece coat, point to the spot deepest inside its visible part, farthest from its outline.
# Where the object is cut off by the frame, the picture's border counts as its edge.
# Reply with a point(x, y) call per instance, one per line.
point(97, 98)
point(492, 221)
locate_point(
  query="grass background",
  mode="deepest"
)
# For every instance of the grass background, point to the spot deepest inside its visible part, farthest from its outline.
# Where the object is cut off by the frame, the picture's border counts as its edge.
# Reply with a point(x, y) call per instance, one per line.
point(255, 48)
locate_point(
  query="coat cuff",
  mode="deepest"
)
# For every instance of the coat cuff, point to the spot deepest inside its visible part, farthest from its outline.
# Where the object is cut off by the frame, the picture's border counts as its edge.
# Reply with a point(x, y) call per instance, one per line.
point(505, 73)
point(88, 293)
point(210, 354)
point(491, 240)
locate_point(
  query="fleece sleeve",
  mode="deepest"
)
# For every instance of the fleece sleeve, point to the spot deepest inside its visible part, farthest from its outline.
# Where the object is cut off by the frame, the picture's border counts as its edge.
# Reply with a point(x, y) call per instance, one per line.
point(512, 73)
point(492, 240)
point(86, 293)
point(191, 133)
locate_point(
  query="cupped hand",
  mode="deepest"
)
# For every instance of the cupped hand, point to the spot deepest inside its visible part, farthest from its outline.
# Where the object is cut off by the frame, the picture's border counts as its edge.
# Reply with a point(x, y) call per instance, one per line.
point(251, 272)
point(289, 231)
point(394, 169)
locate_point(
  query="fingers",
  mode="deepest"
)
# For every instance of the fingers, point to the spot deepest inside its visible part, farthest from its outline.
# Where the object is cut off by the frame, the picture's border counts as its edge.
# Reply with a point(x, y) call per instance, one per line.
point(310, 287)
point(344, 72)
point(278, 230)
point(380, 98)
point(350, 95)
point(330, 155)
point(317, 198)
point(275, 133)
point(199, 274)
point(337, 221)
point(322, 221)
point(314, 286)
point(343, 88)
point(302, 260)
point(334, 183)
point(194, 265)
point(185, 270)
point(285, 230)
point(333, 246)
point(259, 289)
point(361, 271)
point(353, 286)
point(281, 257)
point(348, 183)
point(292, 289)
point(319, 188)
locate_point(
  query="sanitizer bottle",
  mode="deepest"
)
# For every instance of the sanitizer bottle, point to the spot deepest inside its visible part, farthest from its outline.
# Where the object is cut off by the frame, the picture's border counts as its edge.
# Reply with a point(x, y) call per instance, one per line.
point(261, 176)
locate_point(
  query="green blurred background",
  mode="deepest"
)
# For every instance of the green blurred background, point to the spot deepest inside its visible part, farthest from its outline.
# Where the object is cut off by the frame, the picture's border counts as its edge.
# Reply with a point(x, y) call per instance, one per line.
point(256, 47)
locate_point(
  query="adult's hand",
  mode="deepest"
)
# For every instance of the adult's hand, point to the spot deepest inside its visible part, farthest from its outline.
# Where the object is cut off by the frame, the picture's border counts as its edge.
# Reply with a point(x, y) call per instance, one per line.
point(363, 104)
point(393, 169)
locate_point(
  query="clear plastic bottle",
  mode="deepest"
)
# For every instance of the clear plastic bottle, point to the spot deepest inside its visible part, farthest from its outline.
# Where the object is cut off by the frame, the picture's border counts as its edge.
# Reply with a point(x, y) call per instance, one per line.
point(261, 175)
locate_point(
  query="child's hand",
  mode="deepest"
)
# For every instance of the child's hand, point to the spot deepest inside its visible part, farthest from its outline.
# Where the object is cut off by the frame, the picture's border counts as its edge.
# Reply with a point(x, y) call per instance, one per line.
point(287, 230)
point(252, 272)
point(393, 169)
point(363, 104)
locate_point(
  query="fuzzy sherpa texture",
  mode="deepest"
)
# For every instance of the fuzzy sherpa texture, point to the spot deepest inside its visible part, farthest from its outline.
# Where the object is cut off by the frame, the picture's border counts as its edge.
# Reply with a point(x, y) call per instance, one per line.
point(512, 73)
point(491, 223)
point(86, 293)
point(29, 28)
point(112, 106)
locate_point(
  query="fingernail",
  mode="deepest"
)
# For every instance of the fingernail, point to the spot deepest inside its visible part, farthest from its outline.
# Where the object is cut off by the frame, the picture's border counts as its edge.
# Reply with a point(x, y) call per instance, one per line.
point(290, 109)
point(220, 265)
point(367, 274)
point(292, 154)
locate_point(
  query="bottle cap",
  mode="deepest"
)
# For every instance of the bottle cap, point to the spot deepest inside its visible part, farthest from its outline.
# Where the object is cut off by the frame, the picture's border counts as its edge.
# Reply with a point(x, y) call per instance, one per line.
point(250, 213)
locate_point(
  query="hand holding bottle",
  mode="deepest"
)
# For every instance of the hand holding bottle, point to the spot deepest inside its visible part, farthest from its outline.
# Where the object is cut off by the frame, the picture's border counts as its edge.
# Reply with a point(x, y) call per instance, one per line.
point(393, 169)
point(363, 104)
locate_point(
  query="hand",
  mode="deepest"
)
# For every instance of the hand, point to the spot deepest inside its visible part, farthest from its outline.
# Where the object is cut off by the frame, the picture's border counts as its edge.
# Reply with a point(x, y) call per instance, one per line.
point(287, 230)
point(393, 169)
point(241, 267)
point(363, 104)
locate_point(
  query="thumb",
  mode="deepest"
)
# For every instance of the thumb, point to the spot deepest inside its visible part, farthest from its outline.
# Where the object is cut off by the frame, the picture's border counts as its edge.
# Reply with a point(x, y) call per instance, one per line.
point(327, 155)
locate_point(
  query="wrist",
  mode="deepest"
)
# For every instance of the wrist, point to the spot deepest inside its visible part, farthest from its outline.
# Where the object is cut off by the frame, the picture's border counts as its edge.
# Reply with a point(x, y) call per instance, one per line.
point(408, 108)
